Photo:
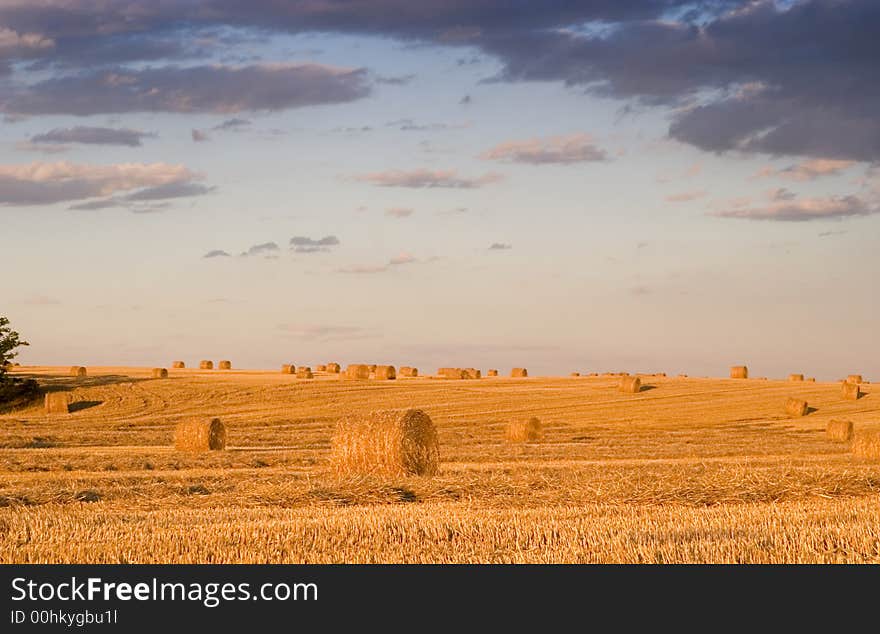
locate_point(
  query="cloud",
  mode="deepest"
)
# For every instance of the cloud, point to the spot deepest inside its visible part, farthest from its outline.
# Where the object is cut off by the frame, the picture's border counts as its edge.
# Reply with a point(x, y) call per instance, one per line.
point(170, 190)
point(803, 210)
point(235, 123)
point(684, 197)
point(399, 212)
point(403, 258)
point(216, 253)
point(41, 300)
point(93, 205)
point(266, 248)
point(424, 178)
point(93, 136)
point(499, 246)
point(807, 170)
point(302, 244)
point(409, 125)
point(47, 183)
point(323, 332)
point(640, 290)
point(398, 260)
point(564, 150)
point(44, 148)
point(200, 136)
point(214, 89)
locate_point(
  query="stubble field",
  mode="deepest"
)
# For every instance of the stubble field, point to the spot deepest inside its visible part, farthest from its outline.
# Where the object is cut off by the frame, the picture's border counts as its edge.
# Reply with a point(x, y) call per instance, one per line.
point(689, 470)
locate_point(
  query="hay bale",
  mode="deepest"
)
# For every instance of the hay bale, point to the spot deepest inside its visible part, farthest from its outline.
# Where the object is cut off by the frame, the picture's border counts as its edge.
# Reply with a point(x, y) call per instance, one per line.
point(333, 368)
point(321, 368)
point(840, 430)
point(200, 434)
point(178, 364)
point(795, 377)
point(57, 403)
point(739, 372)
point(524, 430)
point(304, 372)
point(77, 370)
point(385, 373)
point(492, 372)
point(452, 373)
point(796, 407)
point(391, 443)
point(630, 384)
point(811, 379)
point(473, 373)
point(519, 372)
point(851, 391)
point(357, 371)
point(288, 368)
point(206, 365)
point(854, 378)
point(575, 374)
point(409, 371)
point(225, 365)
point(160, 373)
point(866, 444)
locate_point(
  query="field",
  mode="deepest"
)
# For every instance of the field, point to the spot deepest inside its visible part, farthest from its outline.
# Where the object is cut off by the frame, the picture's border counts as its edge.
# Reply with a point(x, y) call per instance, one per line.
point(689, 470)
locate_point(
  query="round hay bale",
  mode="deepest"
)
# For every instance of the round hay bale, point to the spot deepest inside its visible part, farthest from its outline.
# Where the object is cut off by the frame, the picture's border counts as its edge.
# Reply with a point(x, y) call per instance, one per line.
point(851, 391)
point(408, 371)
point(357, 371)
point(524, 430)
point(519, 372)
point(739, 372)
point(160, 373)
point(57, 403)
point(795, 377)
point(333, 368)
point(452, 373)
point(811, 379)
point(178, 364)
point(385, 373)
point(854, 378)
point(304, 372)
point(288, 368)
point(391, 443)
point(630, 384)
point(77, 370)
point(796, 407)
point(575, 374)
point(225, 365)
point(866, 444)
point(839, 430)
point(200, 434)
point(473, 373)
point(492, 372)
point(321, 368)
point(206, 365)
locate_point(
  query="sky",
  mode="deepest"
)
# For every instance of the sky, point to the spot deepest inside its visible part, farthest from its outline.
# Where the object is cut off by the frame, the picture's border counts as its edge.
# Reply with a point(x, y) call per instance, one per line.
point(607, 185)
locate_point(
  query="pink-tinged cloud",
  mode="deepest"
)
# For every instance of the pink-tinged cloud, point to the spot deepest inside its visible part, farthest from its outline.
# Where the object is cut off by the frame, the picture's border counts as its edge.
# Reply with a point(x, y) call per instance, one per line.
point(403, 258)
point(399, 212)
point(793, 210)
point(424, 178)
point(398, 260)
point(684, 197)
point(806, 170)
point(564, 150)
point(47, 183)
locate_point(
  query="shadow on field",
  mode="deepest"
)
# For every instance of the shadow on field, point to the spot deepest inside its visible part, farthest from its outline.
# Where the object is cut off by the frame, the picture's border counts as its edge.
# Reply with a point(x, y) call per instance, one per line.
point(65, 383)
point(646, 388)
point(76, 406)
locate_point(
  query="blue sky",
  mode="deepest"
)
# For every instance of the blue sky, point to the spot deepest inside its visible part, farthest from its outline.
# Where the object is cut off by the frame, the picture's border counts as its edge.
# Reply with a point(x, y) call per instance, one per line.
point(680, 217)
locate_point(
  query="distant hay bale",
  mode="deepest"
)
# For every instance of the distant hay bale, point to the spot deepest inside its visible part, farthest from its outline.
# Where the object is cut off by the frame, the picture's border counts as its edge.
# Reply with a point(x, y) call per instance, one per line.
point(225, 365)
point(178, 364)
point(811, 379)
point(304, 372)
point(593, 374)
point(795, 377)
point(391, 443)
point(385, 373)
point(200, 434)
point(519, 372)
point(321, 368)
point(682, 376)
point(492, 372)
point(333, 368)
point(630, 384)
point(206, 365)
point(288, 368)
point(840, 430)
point(77, 370)
point(796, 407)
point(57, 403)
point(851, 391)
point(854, 378)
point(524, 430)
point(372, 367)
point(160, 373)
point(473, 373)
point(452, 373)
point(866, 444)
point(575, 374)
point(739, 372)
point(357, 371)
point(409, 371)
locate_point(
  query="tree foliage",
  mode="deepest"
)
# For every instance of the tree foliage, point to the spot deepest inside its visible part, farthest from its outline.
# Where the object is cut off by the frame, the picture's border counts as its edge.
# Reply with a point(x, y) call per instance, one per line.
point(9, 341)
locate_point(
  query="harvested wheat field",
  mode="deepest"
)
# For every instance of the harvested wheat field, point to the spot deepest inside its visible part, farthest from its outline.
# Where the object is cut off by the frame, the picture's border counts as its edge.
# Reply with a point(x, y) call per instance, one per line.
point(691, 470)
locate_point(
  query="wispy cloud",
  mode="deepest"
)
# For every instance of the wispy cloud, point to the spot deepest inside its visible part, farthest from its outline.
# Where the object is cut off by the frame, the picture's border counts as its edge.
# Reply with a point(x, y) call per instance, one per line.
point(807, 170)
point(500, 246)
point(216, 253)
point(804, 210)
point(684, 197)
point(574, 148)
point(303, 244)
point(200, 136)
point(266, 248)
point(399, 212)
point(92, 136)
point(424, 178)
point(398, 260)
